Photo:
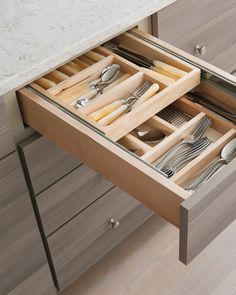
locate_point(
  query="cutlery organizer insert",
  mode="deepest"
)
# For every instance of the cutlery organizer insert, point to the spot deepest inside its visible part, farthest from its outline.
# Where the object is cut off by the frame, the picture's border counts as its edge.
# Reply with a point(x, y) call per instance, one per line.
point(220, 132)
point(71, 81)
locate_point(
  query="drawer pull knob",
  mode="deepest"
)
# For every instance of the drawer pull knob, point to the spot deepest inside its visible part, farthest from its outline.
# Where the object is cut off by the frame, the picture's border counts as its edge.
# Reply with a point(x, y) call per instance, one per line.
point(200, 49)
point(114, 224)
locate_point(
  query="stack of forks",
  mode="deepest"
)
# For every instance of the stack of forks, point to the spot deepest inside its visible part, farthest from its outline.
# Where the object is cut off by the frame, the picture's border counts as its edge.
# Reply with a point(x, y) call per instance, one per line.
point(186, 150)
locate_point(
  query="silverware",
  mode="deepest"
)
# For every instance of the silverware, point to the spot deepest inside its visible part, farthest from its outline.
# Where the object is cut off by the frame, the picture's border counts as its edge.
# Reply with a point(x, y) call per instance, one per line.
point(150, 135)
point(153, 64)
point(227, 154)
point(199, 98)
point(174, 116)
point(193, 137)
point(123, 105)
point(189, 154)
point(107, 76)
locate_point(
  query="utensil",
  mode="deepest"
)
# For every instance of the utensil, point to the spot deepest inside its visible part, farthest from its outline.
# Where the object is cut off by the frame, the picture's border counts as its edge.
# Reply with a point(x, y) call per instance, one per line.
point(174, 116)
point(192, 137)
point(153, 89)
point(227, 154)
point(149, 135)
point(186, 156)
point(107, 76)
point(199, 98)
point(147, 62)
point(125, 102)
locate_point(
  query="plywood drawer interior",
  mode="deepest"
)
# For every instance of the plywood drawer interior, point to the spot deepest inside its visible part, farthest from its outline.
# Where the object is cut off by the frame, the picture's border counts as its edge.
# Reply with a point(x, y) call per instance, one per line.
point(116, 152)
point(66, 92)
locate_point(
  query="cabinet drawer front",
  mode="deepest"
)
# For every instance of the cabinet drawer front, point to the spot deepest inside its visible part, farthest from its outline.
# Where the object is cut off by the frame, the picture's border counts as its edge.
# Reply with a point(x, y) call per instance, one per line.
point(69, 196)
point(21, 260)
point(138, 177)
point(219, 38)
point(86, 227)
point(45, 162)
point(204, 215)
point(79, 261)
point(197, 14)
point(16, 212)
point(39, 283)
point(7, 144)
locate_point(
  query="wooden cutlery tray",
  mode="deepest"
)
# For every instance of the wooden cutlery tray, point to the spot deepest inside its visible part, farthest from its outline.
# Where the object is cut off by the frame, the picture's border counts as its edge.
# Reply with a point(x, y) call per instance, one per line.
point(69, 85)
point(200, 215)
point(220, 133)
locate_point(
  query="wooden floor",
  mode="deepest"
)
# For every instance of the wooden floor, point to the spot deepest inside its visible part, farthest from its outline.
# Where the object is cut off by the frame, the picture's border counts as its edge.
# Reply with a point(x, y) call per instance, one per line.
point(146, 263)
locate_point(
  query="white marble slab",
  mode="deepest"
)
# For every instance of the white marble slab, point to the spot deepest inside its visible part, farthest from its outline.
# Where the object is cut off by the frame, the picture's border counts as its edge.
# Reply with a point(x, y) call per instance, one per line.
point(38, 35)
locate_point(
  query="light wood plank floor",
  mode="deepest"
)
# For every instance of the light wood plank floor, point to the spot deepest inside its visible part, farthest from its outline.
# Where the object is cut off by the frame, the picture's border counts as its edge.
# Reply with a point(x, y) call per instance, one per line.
point(146, 263)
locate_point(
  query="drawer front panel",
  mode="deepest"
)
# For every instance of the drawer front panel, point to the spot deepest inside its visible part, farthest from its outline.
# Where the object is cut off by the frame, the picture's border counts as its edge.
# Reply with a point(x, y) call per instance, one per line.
point(7, 144)
point(207, 213)
point(69, 196)
point(67, 273)
point(21, 248)
point(74, 237)
point(197, 14)
point(45, 162)
point(40, 283)
point(16, 212)
point(219, 38)
point(20, 261)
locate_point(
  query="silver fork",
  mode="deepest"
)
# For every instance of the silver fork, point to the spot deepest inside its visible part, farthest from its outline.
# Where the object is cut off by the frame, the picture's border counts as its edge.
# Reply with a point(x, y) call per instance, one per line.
point(125, 104)
point(193, 137)
point(189, 154)
point(174, 116)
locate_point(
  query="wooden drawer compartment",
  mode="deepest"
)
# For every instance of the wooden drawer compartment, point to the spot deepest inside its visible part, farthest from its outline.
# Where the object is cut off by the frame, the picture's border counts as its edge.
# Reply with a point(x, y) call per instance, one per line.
point(45, 163)
point(67, 92)
point(72, 241)
point(66, 198)
point(136, 174)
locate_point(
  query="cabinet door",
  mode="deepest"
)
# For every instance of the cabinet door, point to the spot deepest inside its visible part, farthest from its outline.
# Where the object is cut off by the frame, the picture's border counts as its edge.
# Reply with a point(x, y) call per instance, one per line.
point(21, 250)
point(45, 162)
point(7, 144)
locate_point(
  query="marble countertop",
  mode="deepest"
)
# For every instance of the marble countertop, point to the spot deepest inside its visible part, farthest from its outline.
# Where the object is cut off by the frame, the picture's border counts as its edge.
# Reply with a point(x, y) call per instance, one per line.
point(36, 36)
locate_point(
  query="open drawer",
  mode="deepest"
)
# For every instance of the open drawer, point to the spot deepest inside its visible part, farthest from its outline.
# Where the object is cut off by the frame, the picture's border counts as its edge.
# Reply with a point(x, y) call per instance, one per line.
point(116, 152)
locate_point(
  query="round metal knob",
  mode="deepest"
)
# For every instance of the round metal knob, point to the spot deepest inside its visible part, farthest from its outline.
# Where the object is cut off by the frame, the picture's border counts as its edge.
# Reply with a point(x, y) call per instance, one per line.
point(200, 49)
point(114, 224)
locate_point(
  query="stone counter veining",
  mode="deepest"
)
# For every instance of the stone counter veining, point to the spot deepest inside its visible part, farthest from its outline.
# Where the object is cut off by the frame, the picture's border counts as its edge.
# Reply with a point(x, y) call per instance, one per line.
point(36, 36)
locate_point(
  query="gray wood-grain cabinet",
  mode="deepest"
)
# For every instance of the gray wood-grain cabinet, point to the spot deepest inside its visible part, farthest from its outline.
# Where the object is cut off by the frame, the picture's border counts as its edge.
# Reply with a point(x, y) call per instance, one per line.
point(207, 23)
point(88, 236)
point(21, 249)
point(66, 198)
point(45, 162)
point(7, 144)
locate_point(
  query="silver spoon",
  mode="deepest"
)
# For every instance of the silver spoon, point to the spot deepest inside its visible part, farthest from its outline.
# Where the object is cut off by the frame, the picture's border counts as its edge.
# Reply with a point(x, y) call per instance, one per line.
point(227, 154)
point(151, 136)
point(107, 76)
